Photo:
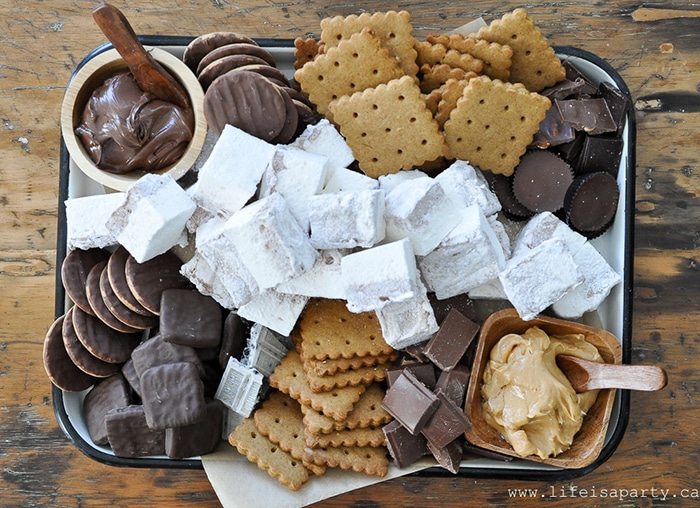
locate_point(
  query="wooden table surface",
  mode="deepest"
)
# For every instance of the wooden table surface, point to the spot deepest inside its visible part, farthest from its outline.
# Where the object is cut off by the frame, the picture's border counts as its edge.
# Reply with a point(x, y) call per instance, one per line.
point(655, 49)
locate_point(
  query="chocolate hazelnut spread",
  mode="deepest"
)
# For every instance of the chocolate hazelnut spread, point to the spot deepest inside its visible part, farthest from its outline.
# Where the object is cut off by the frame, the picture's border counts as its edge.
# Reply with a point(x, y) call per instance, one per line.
point(125, 129)
point(528, 399)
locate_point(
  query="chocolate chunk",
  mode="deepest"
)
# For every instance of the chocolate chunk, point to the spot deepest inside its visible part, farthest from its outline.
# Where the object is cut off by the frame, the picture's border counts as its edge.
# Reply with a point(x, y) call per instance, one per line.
point(618, 103)
point(410, 402)
point(110, 393)
point(461, 302)
point(404, 447)
point(131, 376)
point(448, 345)
point(233, 340)
point(570, 151)
point(173, 395)
point(130, 436)
point(502, 186)
point(446, 424)
point(59, 367)
point(156, 351)
point(82, 358)
point(121, 312)
point(116, 272)
point(591, 203)
point(589, 115)
point(453, 383)
point(449, 456)
point(568, 88)
point(573, 74)
point(540, 181)
point(189, 318)
point(424, 372)
point(199, 438)
point(553, 131)
point(246, 100)
point(100, 309)
point(600, 153)
point(148, 280)
point(74, 273)
point(104, 342)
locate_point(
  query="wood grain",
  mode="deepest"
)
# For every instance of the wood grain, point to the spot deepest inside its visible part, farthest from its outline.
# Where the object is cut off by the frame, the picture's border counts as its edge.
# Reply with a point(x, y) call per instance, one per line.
point(41, 47)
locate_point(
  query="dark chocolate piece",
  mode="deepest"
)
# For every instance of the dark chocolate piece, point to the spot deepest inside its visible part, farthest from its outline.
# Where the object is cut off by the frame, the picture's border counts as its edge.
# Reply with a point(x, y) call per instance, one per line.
point(129, 373)
point(461, 302)
point(600, 153)
point(148, 280)
point(502, 186)
point(110, 393)
point(82, 358)
point(446, 424)
point(99, 307)
point(448, 345)
point(449, 456)
point(156, 351)
point(116, 272)
point(404, 447)
point(190, 318)
point(591, 203)
point(553, 131)
point(104, 342)
point(569, 151)
point(233, 340)
point(423, 371)
point(130, 436)
point(569, 88)
point(540, 181)
point(618, 103)
point(589, 115)
point(173, 395)
point(410, 402)
point(59, 367)
point(453, 383)
point(199, 438)
point(573, 74)
point(74, 273)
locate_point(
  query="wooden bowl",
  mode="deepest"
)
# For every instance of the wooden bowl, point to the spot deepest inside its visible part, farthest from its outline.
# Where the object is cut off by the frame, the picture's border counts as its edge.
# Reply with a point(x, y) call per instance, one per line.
point(90, 77)
point(589, 440)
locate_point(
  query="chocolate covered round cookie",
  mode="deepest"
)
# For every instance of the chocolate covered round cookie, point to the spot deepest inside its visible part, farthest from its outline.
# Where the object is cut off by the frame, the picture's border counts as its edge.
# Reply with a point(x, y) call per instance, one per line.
point(92, 287)
point(81, 357)
point(74, 273)
point(116, 271)
point(204, 44)
point(59, 367)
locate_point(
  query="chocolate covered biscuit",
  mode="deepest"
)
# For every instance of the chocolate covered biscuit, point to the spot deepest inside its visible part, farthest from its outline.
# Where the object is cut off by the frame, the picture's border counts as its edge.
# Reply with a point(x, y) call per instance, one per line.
point(129, 435)
point(74, 273)
point(199, 438)
point(104, 342)
point(121, 312)
point(81, 357)
point(189, 318)
point(148, 280)
point(110, 393)
point(92, 288)
point(59, 367)
point(116, 271)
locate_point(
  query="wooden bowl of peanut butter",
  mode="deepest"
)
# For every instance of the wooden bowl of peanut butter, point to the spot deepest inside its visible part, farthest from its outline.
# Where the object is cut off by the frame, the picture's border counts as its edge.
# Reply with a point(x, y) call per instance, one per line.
point(514, 357)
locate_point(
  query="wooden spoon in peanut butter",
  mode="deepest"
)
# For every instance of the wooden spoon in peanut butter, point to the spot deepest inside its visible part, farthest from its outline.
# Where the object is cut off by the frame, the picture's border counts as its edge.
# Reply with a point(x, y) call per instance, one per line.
point(148, 73)
point(586, 375)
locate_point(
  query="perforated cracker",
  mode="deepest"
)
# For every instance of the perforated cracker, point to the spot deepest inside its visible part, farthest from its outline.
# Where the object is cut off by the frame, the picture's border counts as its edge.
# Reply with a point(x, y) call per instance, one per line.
point(269, 457)
point(534, 62)
point(389, 128)
point(280, 419)
point(352, 377)
point(366, 413)
point(392, 28)
point(320, 368)
point(362, 459)
point(305, 50)
point(496, 57)
point(369, 436)
point(329, 330)
point(463, 61)
point(435, 76)
point(428, 53)
point(355, 64)
point(289, 377)
point(452, 90)
point(493, 124)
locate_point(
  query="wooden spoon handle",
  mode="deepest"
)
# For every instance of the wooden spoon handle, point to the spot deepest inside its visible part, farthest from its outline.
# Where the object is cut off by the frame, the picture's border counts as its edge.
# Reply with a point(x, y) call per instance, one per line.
point(629, 377)
point(149, 74)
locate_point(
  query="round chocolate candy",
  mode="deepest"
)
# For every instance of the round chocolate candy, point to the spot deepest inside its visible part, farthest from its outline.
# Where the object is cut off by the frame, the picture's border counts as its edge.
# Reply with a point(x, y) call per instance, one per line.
point(591, 203)
point(541, 180)
point(502, 186)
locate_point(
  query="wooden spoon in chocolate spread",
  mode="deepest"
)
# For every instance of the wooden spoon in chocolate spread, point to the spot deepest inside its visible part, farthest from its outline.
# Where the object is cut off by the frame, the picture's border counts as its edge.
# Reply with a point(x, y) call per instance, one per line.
point(585, 375)
point(148, 73)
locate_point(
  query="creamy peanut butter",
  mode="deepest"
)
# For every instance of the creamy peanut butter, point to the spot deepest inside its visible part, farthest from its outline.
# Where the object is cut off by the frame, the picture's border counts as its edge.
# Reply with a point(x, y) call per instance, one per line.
point(528, 399)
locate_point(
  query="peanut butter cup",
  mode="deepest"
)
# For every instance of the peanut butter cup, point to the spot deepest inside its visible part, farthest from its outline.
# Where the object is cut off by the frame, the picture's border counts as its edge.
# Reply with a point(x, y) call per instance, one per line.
point(591, 203)
point(541, 180)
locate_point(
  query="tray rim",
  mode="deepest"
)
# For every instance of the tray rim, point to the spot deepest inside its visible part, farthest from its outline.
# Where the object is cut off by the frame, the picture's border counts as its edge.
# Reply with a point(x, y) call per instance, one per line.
point(471, 472)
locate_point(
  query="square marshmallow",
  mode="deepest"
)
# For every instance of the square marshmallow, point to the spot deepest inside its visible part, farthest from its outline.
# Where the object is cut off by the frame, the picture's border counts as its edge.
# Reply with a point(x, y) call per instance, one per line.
point(86, 220)
point(419, 210)
point(230, 176)
point(321, 281)
point(389, 182)
point(297, 175)
point(374, 277)
point(598, 280)
point(277, 311)
point(409, 322)
point(152, 217)
point(323, 138)
point(535, 280)
point(345, 180)
point(545, 226)
point(270, 242)
point(469, 256)
point(467, 186)
point(344, 220)
point(198, 271)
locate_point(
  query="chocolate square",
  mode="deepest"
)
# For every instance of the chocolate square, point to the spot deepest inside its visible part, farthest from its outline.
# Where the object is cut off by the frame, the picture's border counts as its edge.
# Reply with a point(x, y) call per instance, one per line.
point(453, 383)
point(404, 447)
point(190, 318)
point(451, 341)
point(447, 423)
point(156, 351)
point(410, 402)
point(424, 372)
point(199, 438)
point(108, 394)
point(130, 436)
point(449, 457)
point(173, 395)
point(600, 153)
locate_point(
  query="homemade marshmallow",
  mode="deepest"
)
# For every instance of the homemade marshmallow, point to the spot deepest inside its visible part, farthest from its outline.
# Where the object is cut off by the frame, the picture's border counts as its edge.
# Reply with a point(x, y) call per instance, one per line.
point(466, 186)
point(344, 180)
point(323, 138)
point(277, 311)
point(152, 217)
point(86, 220)
point(321, 280)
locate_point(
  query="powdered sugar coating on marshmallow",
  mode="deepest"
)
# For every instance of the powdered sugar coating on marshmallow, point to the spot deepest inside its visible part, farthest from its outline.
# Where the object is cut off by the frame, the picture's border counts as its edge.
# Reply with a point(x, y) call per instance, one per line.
point(322, 280)
point(277, 311)
point(86, 220)
point(467, 186)
point(323, 138)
